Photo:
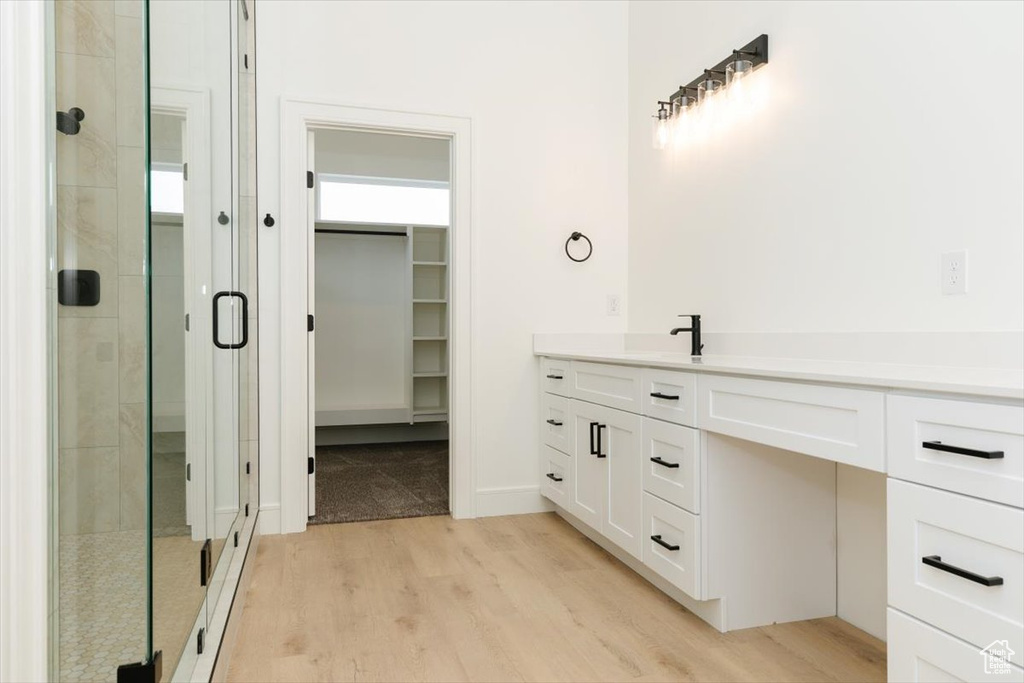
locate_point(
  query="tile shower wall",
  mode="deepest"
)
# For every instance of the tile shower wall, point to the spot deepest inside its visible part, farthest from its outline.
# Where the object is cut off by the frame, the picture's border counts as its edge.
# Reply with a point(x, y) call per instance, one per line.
point(100, 226)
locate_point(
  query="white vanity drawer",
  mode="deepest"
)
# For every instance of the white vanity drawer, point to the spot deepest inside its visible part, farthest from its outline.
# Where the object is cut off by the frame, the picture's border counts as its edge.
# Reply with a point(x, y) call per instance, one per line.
point(671, 463)
point(554, 376)
point(671, 538)
point(919, 653)
point(942, 549)
point(555, 427)
point(615, 386)
point(844, 425)
point(669, 395)
point(973, 448)
point(555, 476)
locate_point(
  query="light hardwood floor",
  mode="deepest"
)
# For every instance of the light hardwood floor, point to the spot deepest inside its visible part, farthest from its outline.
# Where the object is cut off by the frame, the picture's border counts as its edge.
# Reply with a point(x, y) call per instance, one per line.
point(500, 599)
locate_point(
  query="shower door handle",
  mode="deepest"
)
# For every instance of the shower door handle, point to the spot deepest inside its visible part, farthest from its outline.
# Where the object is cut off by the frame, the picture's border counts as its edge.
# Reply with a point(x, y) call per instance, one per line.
point(216, 320)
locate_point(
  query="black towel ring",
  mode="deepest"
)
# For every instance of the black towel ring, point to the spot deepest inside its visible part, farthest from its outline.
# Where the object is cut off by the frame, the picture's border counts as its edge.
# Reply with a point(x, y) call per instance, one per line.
point(575, 237)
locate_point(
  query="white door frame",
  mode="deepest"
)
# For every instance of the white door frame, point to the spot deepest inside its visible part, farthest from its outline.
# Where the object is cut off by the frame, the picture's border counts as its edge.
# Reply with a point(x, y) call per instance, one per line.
point(297, 118)
point(194, 106)
point(27, 297)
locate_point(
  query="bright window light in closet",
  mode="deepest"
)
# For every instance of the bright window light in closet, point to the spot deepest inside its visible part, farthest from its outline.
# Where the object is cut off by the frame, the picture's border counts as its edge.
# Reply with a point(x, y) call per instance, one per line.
point(357, 199)
point(167, 189)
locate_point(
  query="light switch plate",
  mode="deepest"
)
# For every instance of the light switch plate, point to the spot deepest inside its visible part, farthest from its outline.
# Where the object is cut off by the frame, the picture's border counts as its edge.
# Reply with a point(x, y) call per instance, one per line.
point(954, 272)
point(614, 304)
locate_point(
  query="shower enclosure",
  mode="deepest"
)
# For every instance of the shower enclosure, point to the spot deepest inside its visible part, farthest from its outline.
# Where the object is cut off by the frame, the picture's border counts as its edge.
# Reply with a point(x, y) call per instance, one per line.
point(154, 332)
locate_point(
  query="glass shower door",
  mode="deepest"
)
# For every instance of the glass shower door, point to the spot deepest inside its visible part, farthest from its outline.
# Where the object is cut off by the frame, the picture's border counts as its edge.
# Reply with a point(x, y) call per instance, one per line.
point(100, 275)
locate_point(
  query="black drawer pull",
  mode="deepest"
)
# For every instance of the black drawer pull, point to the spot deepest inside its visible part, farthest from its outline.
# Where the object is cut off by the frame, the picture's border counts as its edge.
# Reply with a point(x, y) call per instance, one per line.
point(593, 451)
point(667, 397)
point(554, 477)
point(939, 446)
point(555, 377)
point(665, 463)
point(599, 453)
point(936, 561)
point(663, 544)
point(554, 423)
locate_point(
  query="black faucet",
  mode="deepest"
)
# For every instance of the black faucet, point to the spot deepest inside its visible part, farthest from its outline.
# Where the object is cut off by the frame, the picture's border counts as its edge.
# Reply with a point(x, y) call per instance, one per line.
point(695, 345)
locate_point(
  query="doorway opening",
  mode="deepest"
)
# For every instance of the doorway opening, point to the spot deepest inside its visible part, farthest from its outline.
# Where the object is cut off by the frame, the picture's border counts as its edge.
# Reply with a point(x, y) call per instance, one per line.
point(379, 285)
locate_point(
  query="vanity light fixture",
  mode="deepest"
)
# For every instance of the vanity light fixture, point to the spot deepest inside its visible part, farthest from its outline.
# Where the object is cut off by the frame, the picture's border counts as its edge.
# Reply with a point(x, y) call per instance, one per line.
point(723, 81)
point(661, 125)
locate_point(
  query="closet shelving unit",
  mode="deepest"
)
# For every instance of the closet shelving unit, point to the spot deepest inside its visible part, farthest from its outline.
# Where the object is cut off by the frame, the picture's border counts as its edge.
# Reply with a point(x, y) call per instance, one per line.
point(429, 263)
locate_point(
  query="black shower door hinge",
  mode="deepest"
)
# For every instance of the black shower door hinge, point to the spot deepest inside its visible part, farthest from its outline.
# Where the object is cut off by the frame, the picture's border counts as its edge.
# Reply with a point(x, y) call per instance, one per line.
point(205, 562)
point(142, 672)
point(184, 171)
point(246, 509)
point(245, 60)
point(310, 465)
point(186, 322)
point(236, 539)
point(248, 469)
point(309, 323)
point(200, 640)
point(188, 471)
point(309, 179)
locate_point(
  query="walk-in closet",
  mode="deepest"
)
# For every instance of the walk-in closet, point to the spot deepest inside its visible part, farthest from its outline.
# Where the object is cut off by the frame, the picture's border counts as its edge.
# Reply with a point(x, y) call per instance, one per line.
point(379, 325)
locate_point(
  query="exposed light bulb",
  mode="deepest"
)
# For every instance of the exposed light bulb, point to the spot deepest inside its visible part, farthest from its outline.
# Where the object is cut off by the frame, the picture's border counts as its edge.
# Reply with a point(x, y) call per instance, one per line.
point(683, 122)
point(661, 128)
point(738, 91)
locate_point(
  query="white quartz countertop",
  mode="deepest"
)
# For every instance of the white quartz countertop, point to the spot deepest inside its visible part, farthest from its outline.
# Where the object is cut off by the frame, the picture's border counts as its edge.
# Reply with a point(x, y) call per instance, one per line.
point(988, 382)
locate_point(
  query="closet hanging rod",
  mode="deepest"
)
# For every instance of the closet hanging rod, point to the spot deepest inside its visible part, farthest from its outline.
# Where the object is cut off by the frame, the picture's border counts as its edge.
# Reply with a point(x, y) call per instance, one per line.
point(362, 232)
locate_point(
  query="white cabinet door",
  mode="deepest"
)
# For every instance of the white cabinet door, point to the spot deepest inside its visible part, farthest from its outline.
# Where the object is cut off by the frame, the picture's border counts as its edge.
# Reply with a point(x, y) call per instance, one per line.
point(555, 427)
point(671, 463)
point(919, 653)
point(964, 446)
point(670, 395)
point(589, 480)
point(619, 441)
point(957, 563)
point(609, 385)
point(554, 376)
point(555, 476)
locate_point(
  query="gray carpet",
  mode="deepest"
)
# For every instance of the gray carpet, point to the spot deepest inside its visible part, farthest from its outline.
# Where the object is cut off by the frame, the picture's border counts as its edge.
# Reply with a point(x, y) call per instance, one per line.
point(381, 481)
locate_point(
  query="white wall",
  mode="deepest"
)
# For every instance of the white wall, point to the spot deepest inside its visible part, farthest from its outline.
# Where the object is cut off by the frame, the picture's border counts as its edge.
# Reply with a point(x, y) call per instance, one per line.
point(545, 87)
point(892, 133)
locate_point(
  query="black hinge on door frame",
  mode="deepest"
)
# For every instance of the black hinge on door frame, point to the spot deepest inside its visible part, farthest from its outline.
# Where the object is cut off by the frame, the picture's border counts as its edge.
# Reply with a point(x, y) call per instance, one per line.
point(184, 171)
point(186, 322)
point(310, 465)
point(245, 60)
point(246, 509)
point(200, 640)
point(205, 562)
point(142, 672)
point(188, 471)
point(236, 539)
point(309, 323)
point(309, 180)
point(248, 469)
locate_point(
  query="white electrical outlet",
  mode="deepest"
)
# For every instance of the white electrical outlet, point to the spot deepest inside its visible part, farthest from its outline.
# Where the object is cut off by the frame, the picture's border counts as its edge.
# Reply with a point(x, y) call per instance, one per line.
point(954, 272)
point(614, 304)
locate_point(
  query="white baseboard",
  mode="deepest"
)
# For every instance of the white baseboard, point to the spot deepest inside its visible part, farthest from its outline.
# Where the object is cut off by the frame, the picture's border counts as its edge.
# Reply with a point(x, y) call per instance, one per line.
point(511, 500)
point(270, 519)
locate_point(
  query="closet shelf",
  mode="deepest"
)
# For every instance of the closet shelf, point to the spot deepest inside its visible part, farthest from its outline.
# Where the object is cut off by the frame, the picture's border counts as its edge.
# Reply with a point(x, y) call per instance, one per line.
point(430, 374)
point(429, 263)
point(430, 301)
point(430, 338)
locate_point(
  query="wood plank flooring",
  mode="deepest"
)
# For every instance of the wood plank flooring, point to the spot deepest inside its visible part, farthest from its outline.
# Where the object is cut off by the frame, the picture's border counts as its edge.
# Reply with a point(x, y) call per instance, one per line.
point(523, 598)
